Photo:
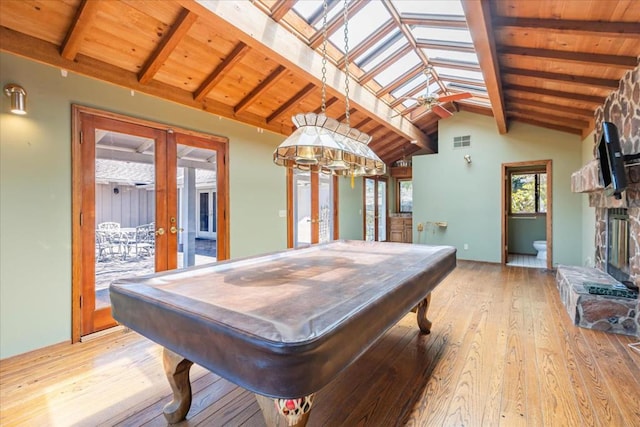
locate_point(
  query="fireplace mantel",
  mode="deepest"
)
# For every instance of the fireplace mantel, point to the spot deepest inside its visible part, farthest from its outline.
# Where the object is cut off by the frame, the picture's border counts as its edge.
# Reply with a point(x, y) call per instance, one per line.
point(587, 180)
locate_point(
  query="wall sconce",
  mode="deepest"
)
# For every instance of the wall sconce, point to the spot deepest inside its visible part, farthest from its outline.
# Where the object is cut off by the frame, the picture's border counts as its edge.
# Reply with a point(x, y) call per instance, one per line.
point(467, 158)
point(18, 98)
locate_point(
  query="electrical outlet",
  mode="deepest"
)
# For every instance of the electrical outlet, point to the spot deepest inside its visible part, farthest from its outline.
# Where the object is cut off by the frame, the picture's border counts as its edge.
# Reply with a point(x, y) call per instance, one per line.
point(466, 246)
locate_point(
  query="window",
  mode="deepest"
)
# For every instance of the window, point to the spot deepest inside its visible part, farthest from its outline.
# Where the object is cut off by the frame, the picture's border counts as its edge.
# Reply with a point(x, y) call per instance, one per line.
point(405, 196)
point(528, 193)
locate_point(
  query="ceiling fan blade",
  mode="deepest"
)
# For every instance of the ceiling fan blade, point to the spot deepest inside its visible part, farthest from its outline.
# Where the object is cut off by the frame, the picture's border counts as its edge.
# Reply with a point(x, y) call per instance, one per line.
point(455, 97)
point(442, 112)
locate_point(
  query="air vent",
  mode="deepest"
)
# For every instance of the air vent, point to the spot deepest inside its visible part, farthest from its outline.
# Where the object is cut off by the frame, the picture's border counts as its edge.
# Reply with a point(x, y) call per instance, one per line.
point(462, 141)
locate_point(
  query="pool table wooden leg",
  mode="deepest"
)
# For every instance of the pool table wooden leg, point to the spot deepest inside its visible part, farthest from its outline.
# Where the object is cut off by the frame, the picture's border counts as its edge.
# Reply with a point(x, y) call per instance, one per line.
point(285, 412)
point(423, 322)
point(177, 369)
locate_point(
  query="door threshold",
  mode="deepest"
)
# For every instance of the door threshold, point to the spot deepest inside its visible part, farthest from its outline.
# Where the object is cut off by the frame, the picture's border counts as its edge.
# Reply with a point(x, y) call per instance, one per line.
point(99, 334)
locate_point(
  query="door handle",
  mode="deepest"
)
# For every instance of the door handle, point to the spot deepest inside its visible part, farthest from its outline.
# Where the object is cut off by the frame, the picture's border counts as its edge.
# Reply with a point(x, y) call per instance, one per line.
point(160, 231)
point(174, 230)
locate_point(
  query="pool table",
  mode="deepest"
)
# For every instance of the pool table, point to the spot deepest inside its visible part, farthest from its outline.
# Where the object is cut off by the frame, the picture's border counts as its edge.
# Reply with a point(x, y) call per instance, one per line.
point(281, 325)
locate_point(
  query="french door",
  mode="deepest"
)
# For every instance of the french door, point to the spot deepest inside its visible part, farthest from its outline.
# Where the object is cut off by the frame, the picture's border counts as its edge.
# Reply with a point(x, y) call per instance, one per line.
point(375, 209)
point(313, 210)
point(135, 188)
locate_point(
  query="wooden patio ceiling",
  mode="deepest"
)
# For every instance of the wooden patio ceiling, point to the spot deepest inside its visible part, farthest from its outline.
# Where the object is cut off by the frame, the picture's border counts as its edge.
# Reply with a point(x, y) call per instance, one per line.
point(548, 62)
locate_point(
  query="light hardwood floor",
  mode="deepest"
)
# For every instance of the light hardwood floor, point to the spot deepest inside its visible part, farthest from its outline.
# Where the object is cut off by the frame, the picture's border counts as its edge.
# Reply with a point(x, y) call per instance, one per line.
point(502, 352)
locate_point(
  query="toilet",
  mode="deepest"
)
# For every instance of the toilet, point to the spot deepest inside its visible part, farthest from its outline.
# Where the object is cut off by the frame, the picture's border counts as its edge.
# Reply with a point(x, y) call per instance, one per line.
point(541, 247)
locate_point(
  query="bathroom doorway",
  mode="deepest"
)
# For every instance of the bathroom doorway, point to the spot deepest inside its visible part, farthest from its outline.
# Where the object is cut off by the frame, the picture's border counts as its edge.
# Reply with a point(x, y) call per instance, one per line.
point(527, 214)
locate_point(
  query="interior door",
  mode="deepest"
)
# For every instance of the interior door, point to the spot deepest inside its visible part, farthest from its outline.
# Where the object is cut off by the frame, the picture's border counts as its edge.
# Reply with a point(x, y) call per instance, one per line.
point(375, 209)
point(134, 198)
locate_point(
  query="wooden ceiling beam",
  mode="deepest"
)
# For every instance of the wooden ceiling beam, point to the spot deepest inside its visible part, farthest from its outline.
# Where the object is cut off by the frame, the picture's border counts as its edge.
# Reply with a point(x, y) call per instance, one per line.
point(433, 20)
point(524, 119)
point(362, 122)
point(380, 143)
point(396, 150)
point(404, 78)
point(178, 30)
point(564, 78)
point(418, 111)
point(610, 61)
point(238, 52)
point(82, 23)
point(48, 53)
point(474, 108)
point(281, 8)
point(561, 109)
point(549, 118)
point(571, 27)
point(344, 115)
point(247, 23)
point(478, 14)
point(410, 151)
point(291, 103)
point(592, 99)
point(389, 146)
point(328, 104)
point(265, 85)
point(402, 151)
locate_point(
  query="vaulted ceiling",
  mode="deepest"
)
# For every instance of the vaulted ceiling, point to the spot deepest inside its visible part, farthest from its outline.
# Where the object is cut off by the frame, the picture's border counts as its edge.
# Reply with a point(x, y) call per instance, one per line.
point(548, 63)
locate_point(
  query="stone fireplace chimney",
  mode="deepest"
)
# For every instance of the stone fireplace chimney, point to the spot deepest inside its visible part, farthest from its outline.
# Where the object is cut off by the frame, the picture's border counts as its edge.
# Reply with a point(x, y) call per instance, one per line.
point(621, 108)
point(619, 315)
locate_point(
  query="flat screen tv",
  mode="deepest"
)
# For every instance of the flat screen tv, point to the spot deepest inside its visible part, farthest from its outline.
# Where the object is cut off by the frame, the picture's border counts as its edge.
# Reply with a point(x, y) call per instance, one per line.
point(611, 161)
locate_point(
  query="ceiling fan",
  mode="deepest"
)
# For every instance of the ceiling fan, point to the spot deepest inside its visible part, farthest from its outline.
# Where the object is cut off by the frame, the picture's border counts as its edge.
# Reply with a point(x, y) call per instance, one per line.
point(432, 102)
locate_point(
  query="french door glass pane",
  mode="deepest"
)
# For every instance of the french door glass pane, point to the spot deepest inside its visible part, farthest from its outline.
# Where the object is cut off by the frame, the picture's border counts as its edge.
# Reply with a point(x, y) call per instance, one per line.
point(370, 209)
point(382, 211)
point(124, 209)
point(197, 184)
point(204, 212)
point(326, 208)
point(302, 208)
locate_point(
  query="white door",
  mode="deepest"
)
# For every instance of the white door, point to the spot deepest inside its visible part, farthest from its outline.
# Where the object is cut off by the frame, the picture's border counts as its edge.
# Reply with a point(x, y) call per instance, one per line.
point(206, 208)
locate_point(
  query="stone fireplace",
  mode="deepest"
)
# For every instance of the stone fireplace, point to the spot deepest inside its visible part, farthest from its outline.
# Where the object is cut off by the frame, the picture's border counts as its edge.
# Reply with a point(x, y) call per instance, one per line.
point(617, 231)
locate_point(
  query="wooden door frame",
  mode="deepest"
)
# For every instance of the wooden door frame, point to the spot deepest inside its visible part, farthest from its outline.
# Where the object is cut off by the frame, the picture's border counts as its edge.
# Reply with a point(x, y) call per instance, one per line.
point(506, 190)
point(78, 171)
point(314, 202)
point(375, 179)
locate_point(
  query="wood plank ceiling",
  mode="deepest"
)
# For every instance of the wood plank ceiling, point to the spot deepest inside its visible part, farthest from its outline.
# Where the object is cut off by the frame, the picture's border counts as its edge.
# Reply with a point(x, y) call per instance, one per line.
point(549, 63)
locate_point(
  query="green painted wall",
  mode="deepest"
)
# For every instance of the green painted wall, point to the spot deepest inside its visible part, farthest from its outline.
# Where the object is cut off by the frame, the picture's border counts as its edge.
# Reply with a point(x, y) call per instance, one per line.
point(523, 231)
point(350, 214)
point(35, 193)
point(588, 213)
point(467, 197)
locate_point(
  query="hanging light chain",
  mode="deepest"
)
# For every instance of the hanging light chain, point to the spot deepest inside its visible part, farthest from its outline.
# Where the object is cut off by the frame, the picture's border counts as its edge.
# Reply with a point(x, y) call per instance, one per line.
point(346, 60)
point(324, 56)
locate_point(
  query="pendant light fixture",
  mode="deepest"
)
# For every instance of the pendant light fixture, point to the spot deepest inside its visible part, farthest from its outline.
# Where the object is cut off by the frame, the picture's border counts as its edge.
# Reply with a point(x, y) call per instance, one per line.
point(323, 144)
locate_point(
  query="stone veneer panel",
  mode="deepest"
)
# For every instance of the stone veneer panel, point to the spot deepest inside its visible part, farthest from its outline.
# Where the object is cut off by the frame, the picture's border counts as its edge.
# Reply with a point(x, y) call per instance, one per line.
point(621, 108)
point(604, 313)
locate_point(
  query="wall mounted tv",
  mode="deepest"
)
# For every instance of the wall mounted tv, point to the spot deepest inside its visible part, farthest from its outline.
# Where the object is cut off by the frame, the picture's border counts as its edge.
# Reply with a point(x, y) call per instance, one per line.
point(611, 161)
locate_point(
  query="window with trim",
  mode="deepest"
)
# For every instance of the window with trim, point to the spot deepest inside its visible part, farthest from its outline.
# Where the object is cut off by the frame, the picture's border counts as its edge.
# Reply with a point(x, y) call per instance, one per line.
point(404, 196)
point(528, 193)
